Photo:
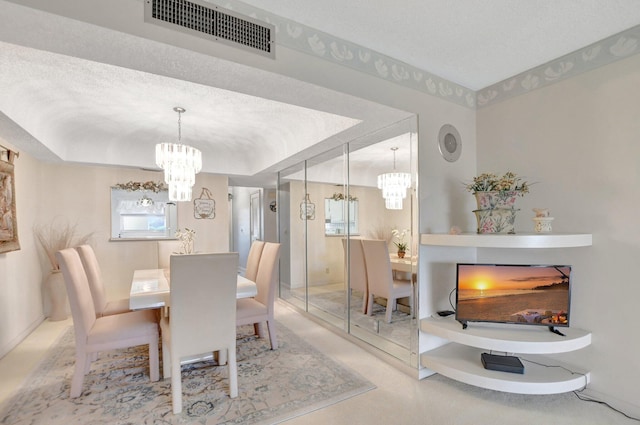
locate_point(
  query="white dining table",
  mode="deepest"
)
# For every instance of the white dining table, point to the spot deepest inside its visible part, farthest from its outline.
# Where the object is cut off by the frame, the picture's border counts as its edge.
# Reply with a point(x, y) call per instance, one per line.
point(407, 264)
point(150, 289)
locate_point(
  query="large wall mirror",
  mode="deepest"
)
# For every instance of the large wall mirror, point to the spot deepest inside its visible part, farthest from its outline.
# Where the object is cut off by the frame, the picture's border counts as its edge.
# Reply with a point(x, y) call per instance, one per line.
point(139, 213)
point(321, 271)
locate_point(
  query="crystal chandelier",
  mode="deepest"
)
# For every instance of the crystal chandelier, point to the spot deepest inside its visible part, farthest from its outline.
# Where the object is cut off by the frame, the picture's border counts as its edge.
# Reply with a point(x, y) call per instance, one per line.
point(145, 201)
point(394, 186)
point(180, 163)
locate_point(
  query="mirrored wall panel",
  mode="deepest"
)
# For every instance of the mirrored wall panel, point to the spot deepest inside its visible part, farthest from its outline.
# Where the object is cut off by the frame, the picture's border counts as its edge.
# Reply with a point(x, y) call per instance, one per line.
point(349, 218)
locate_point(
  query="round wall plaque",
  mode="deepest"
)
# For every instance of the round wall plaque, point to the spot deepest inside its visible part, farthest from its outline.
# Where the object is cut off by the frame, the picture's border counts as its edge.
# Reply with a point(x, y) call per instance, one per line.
point(449, 143)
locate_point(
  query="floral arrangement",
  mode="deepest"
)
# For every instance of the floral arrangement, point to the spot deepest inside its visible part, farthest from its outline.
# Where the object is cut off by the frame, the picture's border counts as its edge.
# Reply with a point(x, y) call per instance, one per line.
point(133, 186)
point(186, 238)
point(399, 239)
point(57, 236)
point(490, 182)
point(340, 197)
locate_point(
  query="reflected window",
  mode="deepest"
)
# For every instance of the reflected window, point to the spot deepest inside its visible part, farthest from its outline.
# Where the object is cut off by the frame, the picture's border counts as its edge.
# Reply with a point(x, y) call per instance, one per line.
point(336, 216)
point(138, 213)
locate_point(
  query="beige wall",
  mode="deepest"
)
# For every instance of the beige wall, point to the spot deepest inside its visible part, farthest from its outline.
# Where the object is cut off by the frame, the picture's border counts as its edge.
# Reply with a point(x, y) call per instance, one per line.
point(580, 141)
point(20, 274)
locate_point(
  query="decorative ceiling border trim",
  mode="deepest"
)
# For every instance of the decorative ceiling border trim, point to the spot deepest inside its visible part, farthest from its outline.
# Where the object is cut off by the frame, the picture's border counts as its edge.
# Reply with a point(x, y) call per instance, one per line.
point(333, 49)
point(603, 52)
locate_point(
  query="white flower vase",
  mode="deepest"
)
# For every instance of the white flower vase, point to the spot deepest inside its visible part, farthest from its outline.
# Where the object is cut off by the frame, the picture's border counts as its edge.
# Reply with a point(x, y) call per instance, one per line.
point(496, 199)
point(57, 295)
point(496, 220)
point(496, 211)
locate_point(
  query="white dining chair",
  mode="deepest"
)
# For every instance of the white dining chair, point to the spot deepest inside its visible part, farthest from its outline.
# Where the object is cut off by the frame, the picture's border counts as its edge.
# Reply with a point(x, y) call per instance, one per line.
point(261, 308)
point(380, 277)
point(165, 250)
point(203, 316)
point(94, 334)
point(253, 260)
point(354, 262)
point(102, 305)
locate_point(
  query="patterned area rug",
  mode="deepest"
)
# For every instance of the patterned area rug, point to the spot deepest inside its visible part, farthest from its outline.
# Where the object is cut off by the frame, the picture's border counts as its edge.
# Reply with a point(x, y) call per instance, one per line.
point(273, 386)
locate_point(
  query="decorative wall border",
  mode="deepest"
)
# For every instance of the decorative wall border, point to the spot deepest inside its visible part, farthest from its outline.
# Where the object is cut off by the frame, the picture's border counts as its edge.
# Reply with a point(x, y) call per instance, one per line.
point(333, 49)
point(603, 52)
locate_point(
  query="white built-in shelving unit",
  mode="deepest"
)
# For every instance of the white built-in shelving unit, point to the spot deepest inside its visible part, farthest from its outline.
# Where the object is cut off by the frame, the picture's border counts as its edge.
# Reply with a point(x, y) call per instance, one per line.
point(501, 240)
point(460, 358)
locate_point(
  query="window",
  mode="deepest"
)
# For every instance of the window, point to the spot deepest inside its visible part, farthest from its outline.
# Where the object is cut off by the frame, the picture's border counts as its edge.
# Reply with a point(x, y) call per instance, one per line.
point(141, 214)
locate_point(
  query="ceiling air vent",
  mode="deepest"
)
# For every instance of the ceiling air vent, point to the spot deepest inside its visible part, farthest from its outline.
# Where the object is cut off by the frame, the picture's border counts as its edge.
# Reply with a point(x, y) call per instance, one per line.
point(208, 21)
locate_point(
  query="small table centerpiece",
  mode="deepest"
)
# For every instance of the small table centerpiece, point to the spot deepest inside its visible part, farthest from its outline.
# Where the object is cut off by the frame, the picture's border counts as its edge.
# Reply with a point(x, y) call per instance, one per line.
point(399, 241)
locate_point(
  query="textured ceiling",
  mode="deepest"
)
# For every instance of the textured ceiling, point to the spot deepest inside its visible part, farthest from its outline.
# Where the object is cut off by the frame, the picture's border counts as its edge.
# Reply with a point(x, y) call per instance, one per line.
point(83, 93)
point(474, 43)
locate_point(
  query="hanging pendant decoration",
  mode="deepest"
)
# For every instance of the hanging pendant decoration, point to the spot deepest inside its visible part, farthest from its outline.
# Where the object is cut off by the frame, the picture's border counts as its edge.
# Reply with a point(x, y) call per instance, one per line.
point(307, 209)
point(205, 205)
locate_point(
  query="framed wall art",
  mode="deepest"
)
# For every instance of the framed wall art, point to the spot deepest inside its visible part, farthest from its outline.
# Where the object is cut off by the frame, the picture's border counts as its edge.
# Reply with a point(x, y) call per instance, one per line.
point(8, 220)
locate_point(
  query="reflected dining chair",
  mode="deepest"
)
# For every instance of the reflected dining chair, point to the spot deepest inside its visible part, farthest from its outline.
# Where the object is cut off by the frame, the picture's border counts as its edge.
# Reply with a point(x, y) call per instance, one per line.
point(94, 334)
point(203, 316)
point(165, 249)
point(380, 277)
point(91, 266)
point(354, 262)
point(253, 260)
point(260, 308)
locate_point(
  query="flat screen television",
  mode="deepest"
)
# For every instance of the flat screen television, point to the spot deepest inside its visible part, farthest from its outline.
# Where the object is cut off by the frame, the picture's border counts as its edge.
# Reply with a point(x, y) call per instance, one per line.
point(521, 294)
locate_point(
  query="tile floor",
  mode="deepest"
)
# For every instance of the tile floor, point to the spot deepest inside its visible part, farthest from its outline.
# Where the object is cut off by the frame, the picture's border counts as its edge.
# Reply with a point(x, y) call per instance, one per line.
point(399, 397)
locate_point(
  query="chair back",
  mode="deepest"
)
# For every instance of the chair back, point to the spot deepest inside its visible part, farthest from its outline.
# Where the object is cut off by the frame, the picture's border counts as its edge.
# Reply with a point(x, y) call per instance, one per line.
point(253, 260)
point(94, 276)
point(354, 262)
point(267, 277)
point(165, 249)
point(203, 302)
point(82, 308)
point(378, 264)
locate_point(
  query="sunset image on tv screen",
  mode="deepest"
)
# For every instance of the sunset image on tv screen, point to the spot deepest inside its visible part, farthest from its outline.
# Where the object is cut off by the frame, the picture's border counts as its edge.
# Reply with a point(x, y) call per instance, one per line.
point(526, 294)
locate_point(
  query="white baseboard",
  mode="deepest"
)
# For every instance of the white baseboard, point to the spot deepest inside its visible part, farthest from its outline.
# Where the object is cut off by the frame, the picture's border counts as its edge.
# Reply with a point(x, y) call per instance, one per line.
point(630, 409)
point(21, 336)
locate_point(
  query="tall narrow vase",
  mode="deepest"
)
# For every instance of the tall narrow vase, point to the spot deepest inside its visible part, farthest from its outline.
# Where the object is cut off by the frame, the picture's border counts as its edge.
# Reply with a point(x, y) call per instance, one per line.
point(57, 293)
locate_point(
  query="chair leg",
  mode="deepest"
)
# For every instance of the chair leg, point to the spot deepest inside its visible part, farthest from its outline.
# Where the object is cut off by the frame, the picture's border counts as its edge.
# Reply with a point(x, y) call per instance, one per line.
point(166, 360)
point(272, 334)
point(233, 373)
point(223, 358)
point(364, 302)
point(78, 374)
point(176, 386)
point(391, 302)
point(411, 302)
point(257, 329)
point(154, 361)
point(370, 305)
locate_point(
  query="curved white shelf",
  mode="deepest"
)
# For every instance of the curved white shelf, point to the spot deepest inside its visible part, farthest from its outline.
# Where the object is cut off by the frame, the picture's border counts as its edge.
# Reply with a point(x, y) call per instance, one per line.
point(463, 364)
point(503, 240)
point(507, 338)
